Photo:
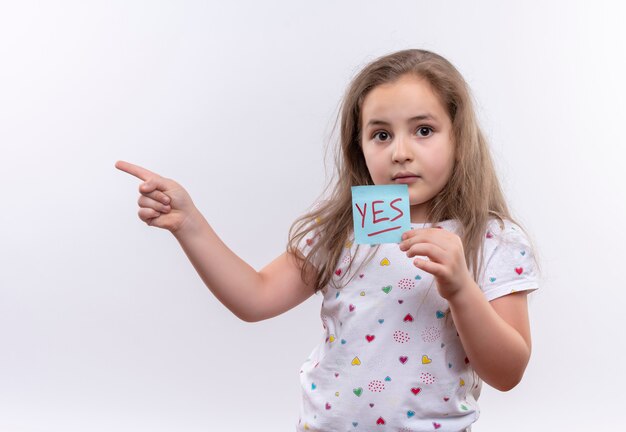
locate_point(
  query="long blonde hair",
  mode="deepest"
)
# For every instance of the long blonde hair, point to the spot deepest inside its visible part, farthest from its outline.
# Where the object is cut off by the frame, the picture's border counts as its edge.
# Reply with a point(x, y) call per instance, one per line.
point(472, 196)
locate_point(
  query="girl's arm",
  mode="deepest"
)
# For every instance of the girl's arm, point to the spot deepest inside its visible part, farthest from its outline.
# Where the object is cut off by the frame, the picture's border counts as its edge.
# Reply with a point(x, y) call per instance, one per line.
point(495, 335)
point(250, 295)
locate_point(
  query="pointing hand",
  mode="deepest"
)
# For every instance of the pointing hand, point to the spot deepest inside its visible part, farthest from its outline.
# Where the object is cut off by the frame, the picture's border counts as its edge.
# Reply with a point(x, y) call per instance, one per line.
point(163, 202)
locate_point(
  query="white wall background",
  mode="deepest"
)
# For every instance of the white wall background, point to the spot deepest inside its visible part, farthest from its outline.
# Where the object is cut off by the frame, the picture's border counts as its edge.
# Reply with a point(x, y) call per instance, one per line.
point(104, 324)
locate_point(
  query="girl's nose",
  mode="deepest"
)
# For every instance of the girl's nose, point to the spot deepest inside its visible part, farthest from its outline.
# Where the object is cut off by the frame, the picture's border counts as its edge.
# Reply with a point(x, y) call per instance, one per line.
point(402, 150)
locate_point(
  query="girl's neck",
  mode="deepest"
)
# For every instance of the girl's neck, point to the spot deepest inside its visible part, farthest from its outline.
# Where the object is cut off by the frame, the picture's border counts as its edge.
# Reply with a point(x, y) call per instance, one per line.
point(419, 214)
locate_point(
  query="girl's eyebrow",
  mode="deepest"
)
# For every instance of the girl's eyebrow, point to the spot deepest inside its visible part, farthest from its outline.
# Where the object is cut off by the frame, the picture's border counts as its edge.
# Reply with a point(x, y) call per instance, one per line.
point(376, 122)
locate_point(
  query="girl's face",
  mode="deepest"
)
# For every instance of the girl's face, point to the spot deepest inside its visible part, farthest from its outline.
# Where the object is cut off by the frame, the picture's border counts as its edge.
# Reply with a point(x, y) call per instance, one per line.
point(407, 139)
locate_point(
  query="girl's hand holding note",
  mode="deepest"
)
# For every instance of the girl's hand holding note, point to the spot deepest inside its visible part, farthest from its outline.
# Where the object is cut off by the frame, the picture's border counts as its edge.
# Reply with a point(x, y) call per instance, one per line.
point(446, 258)
point(163, 202)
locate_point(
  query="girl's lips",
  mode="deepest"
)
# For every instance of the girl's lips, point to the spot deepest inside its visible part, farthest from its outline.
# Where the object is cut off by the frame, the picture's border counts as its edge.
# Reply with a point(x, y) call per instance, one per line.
point(406, 180)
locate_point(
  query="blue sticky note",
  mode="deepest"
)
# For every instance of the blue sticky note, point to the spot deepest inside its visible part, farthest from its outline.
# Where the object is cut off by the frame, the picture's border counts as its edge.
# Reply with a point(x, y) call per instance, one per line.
point(381, 213)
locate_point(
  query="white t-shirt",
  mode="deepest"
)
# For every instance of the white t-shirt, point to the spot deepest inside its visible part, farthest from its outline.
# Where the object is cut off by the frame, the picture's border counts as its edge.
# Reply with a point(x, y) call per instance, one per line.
point(390, 359)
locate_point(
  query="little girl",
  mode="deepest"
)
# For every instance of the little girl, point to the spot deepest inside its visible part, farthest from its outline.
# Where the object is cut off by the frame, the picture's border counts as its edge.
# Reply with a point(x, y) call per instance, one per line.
point(411, 329)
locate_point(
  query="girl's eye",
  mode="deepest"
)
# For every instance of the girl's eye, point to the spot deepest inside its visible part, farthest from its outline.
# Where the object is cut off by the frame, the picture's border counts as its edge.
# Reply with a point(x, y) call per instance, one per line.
point(424, 131)
point(382, 135)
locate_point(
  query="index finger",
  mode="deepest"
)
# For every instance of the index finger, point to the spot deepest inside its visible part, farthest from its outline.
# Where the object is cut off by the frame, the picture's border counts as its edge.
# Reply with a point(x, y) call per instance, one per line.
point(419, 231)
point(135, 170)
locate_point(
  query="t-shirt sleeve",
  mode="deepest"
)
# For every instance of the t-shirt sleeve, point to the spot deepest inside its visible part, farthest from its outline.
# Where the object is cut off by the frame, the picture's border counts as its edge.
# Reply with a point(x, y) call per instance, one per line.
point(305, 244)
point(510, 262)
